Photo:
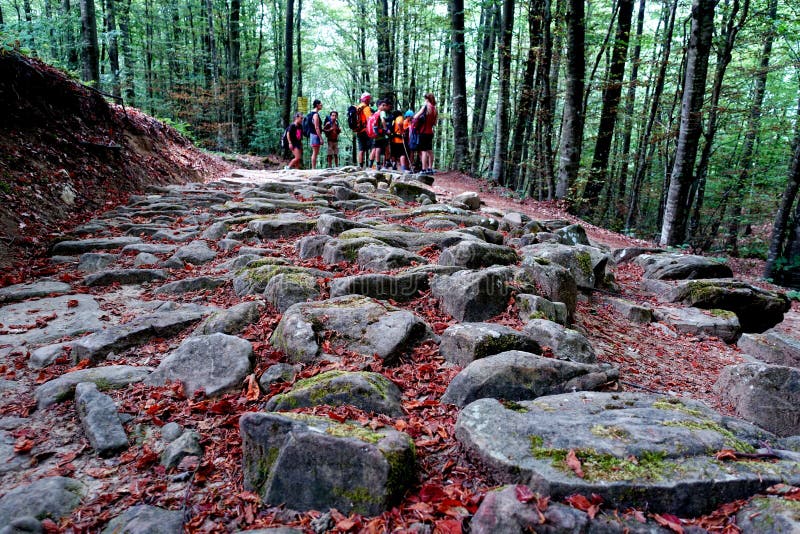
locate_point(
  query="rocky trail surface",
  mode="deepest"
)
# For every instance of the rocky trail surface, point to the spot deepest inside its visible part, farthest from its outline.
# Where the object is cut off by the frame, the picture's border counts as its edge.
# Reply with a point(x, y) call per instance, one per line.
point(357, 351)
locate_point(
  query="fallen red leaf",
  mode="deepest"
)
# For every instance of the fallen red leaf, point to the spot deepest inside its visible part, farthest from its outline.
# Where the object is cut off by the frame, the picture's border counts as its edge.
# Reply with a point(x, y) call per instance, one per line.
point(669, 521)
point(447, 526)
point(72, 303)
point(253, 390)
point(524, 493)
point(23, 445)
point(574, 464)
point(726, 454)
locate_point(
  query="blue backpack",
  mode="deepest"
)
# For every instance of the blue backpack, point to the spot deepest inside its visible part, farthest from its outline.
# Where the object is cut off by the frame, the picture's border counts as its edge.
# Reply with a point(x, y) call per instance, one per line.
point(308, 124)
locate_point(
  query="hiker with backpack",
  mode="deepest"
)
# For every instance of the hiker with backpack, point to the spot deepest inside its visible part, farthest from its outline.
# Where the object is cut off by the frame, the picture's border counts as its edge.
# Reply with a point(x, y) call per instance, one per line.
point(332, 130)
point(378, 130)
point(423, 123)
point(398, 142)
point(357, 117)
point(293, 136)
point(312, 128)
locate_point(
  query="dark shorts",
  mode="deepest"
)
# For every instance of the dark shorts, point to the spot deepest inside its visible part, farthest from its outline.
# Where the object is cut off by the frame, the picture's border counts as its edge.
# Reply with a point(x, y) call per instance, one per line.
point(364, 142)
point(380, 144)
point(425, 142)
point(397, 150)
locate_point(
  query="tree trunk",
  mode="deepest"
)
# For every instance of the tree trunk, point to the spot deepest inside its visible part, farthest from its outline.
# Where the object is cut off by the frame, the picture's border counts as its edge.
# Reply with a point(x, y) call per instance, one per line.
point(572, 122)
point(527, 98)
point(383, 35)
point(483, 85)
point(753, 125)
point(128, 79)
point(544, 110)
point(724, 57)
point(288, 71)
point(673, 229)
point(70, 48)
point(298, 35)
point(459, 71)
point(504, 74)
point(113, 48)
point(646, 148)
point(608, 114)
point(630, 100)
point(90, 53)
point(235, 76)
point(780, 226)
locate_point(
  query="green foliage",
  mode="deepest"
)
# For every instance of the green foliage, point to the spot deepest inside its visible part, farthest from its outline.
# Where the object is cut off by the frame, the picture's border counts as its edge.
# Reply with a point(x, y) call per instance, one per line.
point(183, 128)
point(266, 135)
point(793, 295)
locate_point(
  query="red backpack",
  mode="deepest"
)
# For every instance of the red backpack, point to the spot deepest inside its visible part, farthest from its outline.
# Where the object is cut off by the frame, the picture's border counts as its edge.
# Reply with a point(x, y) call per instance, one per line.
point(375, 126)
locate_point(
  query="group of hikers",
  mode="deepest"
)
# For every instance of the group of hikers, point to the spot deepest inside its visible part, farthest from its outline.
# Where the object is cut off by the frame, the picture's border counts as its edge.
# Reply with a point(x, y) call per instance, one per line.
point(386, 139)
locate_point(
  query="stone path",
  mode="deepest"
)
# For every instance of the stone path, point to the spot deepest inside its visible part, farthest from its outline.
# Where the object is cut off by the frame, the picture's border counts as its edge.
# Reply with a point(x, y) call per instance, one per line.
point(291, 298)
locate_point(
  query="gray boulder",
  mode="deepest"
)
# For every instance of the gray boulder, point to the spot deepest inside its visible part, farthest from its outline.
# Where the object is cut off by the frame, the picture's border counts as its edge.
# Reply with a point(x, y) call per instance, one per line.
point(625, 444)
point(766, 395)
point(360, 324)
point(517, 375)
point(473, 295)
point(574, 234)
point(371, 392)
point(311, 246)
point(625, 255)
point(124, 277)
point(232, 320)
point(186, 285)
point(586, 264)
point(565, 343)
point(470, 199)
point(772, 347)
point(23, 525)
point(279, 372)
point(631, 311)
point(187, 444)
point(146, 519)
point(197, 253)
point(681, 267)
point(100, 420)
point(109, 377)
point(411, 191)
point(703, 324)
point(385, 258)
point(756, 308)
point(74, 315)
point(145, 259)
point(50, 497)
point(287, 289)
point(71, 248)
point(215, 363)
point(333, 226)
point(44, 288)
point(551, 281)
point(96, 261)
point(536, 307)
point(400, 287)
point(477, 254)
point(308, 462)
point(44, 356)
point(282, 225)
point(339, 250)
point(769, 514)
point(216, 231)
point(254, 278)
point(411, 240)
point(464, 343)
point(169, 320)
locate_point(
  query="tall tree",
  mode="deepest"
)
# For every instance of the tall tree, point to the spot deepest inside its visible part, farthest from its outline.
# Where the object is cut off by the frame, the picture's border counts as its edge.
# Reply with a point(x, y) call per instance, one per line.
point(673, 229)
point(127, 53)
point(234, 78)
point(383, 34)
point(504, 74)
point(459, 70)
point(90, 51)
point(731, 28)
point(608, 114)
point(113, 48)
point(753, 126)
point(573, 118)
point(483, 78)
point(288, 69)
point(780, 228)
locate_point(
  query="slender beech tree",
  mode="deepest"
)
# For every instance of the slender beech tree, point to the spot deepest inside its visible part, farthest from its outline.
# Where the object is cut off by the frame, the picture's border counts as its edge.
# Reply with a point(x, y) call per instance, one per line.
point(234, 78)
point(608, 115)
point(673, 228)
point(503, 98)
point(573, 118)
point(383, 33)
point(90, 51)
point(483, 79)
point(730, 29)
point(753, 127)
point(288, 70)
point(781, 231)
point(113, 48)
point(459, 70)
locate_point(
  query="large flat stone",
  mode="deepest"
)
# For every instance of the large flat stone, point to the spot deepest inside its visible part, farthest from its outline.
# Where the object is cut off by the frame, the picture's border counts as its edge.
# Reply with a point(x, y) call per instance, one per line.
point(636, 450)
point(772, 347)
point(109, 377)
point(49, 497)
point(473, 295)
point(71, 248)
point(54, 318)
point(681, 267)
point(32, 290)
point(315, 463)
point(703, 324)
